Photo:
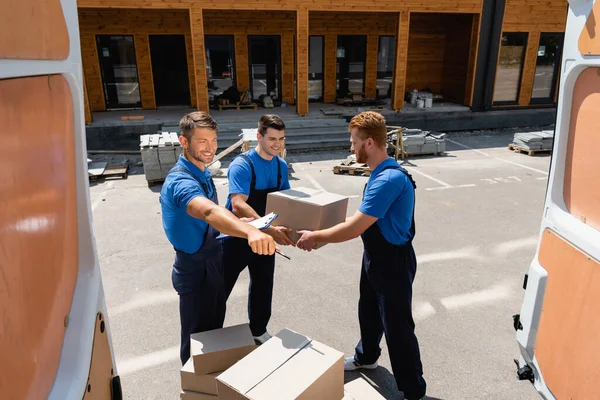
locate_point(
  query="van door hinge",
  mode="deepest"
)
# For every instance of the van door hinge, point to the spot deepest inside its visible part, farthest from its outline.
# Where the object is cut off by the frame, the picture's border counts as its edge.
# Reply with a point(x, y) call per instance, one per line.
point(524, 373)
point(517, 322)
point(525, 281)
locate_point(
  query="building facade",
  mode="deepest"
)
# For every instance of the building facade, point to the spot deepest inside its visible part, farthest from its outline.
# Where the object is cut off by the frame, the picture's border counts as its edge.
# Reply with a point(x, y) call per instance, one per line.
point(483, 54)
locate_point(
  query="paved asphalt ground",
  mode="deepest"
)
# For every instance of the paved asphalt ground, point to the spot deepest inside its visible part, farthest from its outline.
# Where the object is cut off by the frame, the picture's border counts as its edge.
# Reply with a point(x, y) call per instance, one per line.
point(478, 215)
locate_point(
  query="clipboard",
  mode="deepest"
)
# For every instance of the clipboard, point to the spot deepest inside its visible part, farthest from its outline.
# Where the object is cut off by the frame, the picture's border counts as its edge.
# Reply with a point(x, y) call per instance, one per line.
point(260, 224)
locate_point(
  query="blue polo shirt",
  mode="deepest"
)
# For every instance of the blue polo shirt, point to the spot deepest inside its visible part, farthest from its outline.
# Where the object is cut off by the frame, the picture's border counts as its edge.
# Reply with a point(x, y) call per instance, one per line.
point(185, 232)
point(390, 197)
point(240, 174)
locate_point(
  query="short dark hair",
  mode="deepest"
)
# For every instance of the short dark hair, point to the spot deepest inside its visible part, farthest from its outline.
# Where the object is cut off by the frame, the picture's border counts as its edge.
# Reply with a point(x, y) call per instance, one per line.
point(270, 121)
point(196, 120)
point(370, 125)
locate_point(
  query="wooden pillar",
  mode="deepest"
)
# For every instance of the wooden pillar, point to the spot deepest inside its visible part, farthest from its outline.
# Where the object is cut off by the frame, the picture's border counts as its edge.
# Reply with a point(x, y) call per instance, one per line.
point(91, 71)
point(199, 54)
point(287, 67)
point(242, 70)
point(474, 45)
point(371, 65)
point(144, 67)
point(329, 88)
point(191, 74)
point(533, 42)
point(401, 57)
point(86, 103)
point(302, 61)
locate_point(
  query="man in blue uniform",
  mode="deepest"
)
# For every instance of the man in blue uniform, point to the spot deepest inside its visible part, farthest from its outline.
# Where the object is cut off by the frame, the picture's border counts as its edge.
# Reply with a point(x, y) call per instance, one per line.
point(385, 221)
point(192, 219)
point(252, 176)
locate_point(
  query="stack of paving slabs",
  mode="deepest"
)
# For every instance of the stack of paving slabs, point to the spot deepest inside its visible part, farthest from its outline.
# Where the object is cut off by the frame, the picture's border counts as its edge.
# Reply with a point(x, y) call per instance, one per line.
point(213, 352)
point(159, 152)
point(287, 366)
point(542, 140)
point(418, 142)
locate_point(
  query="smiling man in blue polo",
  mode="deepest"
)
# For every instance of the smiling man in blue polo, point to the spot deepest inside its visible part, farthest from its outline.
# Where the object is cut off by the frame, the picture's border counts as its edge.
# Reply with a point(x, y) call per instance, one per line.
point(192, 220)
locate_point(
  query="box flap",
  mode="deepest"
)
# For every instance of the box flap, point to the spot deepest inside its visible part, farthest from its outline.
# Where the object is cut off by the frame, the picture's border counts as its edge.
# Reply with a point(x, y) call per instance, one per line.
point(221, 339)
point(258, 365)
point(360, 389)
point(299, 373)
point(309, 196)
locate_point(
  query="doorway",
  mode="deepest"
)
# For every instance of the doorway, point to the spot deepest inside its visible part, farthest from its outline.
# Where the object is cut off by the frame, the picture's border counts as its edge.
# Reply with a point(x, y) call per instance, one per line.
point(118, 68)
point(220, 63)
point(351, 58)
point(316, 66)
point(265, 66)
point(170, 70)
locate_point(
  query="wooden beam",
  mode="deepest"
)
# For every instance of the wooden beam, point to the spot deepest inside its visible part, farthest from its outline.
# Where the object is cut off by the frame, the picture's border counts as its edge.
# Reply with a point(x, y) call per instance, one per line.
point(287, 67)
point(473, 51)
point(533, 42)
point(199, 55)
point(242, 69)
point(302, 61)
point(401, 57)
point(144, 67)
point(86, 102)
point(371, 65)
point(329, 88)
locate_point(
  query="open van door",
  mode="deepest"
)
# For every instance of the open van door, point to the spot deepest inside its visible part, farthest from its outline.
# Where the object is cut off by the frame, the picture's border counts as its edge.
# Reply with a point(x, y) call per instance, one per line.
point(54, 332)
point(558, 329)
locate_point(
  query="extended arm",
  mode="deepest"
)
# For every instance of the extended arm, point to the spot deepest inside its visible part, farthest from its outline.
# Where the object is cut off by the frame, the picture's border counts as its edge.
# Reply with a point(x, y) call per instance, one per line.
point(225, 222)
point(347, 230)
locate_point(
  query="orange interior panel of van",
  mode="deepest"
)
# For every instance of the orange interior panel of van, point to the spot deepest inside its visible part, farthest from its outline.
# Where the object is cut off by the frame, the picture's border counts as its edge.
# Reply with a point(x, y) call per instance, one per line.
point(567, 347)
point(582, 165)
point(589, 40)
point(33, 29)
point(38, 231)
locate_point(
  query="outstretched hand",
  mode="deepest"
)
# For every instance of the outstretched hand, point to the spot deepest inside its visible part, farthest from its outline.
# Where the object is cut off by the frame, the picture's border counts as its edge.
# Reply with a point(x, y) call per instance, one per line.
point(279, 234)
point(306, 241)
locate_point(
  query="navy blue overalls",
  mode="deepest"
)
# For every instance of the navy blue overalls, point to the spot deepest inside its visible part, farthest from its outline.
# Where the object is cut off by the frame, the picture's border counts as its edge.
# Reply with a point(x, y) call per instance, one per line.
point(237, 255)
point(385, 306)
point(199, 281)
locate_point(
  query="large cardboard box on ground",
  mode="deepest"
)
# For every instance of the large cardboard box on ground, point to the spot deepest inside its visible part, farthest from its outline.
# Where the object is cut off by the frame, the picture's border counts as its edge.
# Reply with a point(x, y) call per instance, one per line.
point(185, 395)
point(359, 389)
point(288, 366)
point(190, 381)
point(217, 350)
point(309, 209)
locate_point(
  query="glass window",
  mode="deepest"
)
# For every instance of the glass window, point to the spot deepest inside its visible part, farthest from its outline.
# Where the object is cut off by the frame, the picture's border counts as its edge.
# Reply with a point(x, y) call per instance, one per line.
point(118, 67)
point(351, 56)
point(546, 69)
point(220, 64)
point(510, 67)
point(265, 66)
point(385, 66)
point(315, 67)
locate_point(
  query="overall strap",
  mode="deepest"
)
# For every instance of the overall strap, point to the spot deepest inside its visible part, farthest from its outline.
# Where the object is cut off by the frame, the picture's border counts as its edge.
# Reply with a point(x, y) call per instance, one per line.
point(204, 187)
point(253, 179)
point(414, 184)
point(278, 173)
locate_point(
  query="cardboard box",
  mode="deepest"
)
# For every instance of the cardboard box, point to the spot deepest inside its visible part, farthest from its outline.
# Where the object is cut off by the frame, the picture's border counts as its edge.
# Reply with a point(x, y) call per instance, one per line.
point(360, 389)
point(185, 395)
point(288, 366)
point(193, 382)
point(305, 208)
point(219, 349)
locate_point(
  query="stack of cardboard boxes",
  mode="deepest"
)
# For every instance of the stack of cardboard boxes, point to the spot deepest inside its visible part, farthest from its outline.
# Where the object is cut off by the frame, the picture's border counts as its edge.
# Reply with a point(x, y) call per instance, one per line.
point(224, 366)
point(212, 353)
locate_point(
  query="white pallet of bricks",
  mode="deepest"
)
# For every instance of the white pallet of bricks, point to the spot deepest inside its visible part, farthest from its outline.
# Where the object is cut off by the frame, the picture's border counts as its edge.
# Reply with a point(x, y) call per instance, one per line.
point(159, 152)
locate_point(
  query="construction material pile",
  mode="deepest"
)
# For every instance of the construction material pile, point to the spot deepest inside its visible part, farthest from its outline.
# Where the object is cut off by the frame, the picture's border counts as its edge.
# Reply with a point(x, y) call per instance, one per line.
point(542, 140)
point(226, 365)
point(417, 141)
